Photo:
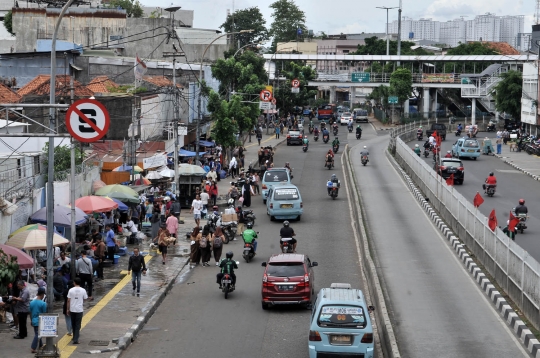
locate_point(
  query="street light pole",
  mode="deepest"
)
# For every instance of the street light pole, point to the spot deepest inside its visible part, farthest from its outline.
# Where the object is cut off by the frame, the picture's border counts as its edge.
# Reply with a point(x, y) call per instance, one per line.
point(387, 39)
point(399, 33)
point(49, 344)
point(200, 90)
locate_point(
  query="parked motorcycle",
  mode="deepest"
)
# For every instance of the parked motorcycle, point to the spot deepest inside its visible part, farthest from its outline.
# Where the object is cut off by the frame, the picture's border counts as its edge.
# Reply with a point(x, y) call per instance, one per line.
point(335, 148)
point(304, 147)
point(364, 160)
point(213, 222)
point(229, 232)
point(325, 138)
point(287, 246)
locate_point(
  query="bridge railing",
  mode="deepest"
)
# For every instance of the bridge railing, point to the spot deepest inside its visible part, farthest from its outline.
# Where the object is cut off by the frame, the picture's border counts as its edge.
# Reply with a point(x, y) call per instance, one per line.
point(372, 77)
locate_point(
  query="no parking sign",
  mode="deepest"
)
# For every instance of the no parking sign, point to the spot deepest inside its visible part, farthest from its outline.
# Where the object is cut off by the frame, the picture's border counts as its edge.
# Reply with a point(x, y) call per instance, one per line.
point(87, 120)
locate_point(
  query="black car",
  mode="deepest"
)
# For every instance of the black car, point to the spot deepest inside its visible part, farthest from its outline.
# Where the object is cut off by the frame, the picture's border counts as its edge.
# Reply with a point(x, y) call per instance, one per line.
point(294, 137)
point(449, 166)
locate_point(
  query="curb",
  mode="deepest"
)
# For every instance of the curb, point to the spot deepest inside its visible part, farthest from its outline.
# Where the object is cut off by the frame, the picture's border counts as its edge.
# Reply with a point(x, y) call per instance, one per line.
point(125, 340)
point(535, 177)
point(526, 337)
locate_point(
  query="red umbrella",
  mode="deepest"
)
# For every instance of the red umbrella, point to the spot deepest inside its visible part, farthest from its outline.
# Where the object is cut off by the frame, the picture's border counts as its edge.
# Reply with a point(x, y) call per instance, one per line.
point(95, 204)
point(24, 260)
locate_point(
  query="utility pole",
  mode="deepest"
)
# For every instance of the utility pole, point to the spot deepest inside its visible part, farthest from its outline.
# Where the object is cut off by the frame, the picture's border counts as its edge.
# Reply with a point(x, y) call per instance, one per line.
point(399, 33)
point(387, 39)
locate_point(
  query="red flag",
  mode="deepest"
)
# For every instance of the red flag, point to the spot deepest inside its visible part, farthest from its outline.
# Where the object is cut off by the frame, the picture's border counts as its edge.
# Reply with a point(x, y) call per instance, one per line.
point(512, 222)
point(492, 221)
point(478, 200)
point(450, 180)
point(438, 139)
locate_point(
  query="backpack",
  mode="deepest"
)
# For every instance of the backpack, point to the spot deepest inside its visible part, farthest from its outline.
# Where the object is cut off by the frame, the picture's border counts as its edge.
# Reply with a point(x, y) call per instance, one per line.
point(217, 242)
point(203, 243)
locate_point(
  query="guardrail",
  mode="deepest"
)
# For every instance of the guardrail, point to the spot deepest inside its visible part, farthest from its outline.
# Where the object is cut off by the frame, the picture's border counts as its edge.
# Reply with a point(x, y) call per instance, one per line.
point(514, 270)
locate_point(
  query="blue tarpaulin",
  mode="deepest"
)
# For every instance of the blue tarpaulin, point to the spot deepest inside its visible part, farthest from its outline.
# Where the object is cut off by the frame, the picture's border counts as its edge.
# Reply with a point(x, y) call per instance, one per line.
point(205, 143)
point(186, 153)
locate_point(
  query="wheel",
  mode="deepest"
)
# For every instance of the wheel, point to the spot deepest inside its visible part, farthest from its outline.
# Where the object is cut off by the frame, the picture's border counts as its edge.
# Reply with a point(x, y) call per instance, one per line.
point(521, 230)
point(226, 293)
point(299, 217)
point(333, 197)
point(364, 164)
point(474, 158)
point(264, 306)
point(264, 201)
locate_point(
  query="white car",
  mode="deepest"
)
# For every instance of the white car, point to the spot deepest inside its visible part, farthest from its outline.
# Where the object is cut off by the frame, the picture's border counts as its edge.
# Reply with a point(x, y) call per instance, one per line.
point(345, 118)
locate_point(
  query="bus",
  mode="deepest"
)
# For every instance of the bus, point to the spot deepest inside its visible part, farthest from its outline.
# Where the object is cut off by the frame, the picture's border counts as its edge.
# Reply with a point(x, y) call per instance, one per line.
point(325, 111)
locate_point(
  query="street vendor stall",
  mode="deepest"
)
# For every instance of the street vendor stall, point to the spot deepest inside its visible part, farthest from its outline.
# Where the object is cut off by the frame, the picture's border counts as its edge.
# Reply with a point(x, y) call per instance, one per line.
point(189, 178)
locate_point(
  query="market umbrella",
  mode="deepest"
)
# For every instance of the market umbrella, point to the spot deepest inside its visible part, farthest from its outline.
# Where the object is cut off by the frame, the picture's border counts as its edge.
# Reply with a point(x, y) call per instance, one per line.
point(153, 175)
point(62, 216)
point(167, 173)
point(97, 184)
point(142, 181)
point(30, 227)
point(24, 260)
point(116, 188)
point(190, 169)
point(121, 205)
point(34, 240)
point(123, 197)
point(127, 168)
point(95, 204)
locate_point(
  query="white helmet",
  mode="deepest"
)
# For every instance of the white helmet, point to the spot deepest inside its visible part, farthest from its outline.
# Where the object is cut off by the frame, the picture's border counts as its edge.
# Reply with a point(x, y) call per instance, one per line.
point(365, 147)
point(230, 202)
point(416, 145)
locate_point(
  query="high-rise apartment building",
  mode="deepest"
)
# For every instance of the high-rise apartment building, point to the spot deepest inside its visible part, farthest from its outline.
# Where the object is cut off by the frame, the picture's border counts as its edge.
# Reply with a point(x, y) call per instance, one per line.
point(487, 27)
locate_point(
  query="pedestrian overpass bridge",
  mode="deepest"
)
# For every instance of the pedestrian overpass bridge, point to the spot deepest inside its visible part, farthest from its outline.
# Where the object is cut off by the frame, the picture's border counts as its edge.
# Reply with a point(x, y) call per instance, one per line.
point(475, 86)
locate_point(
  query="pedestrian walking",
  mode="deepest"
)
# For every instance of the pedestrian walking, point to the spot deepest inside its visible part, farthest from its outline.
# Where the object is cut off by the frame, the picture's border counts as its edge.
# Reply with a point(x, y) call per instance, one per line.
point(259, 135)
point(217, 244)
point(21, 309)
point(213, 192)
point(65, 309)
point(110, 241)
point(204, 200)
point(84, 270)
point(247, 190)
point(137, 266)
point(76, 297)
point(37, 306)
point(155, 221)
point(195, 256)
point(172, 226)
point(163, 242)
point(498, 141)
point(99, 254)
point(205, 245)
point(277, 132)
point(196, 208)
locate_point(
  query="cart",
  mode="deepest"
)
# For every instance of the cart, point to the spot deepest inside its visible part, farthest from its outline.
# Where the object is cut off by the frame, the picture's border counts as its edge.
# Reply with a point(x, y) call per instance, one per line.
point(487, 147)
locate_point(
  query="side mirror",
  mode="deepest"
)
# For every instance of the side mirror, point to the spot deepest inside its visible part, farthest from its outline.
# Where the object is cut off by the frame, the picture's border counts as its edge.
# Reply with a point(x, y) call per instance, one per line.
point(314, 263)
point(263, 264)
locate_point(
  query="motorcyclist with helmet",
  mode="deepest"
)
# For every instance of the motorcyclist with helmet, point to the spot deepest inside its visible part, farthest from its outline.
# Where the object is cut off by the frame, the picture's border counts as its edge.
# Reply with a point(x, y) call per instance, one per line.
point(420, 133)
point(358, 129)
point(417, 149)
point(249, 235)
point(227, 266)
point(330, 183)
point(364, 152)
point(490, 181)
point(325, 132)
point(287, 232)
point(305, 141)
point(335, 142)
point(316, 131)
point(448, 154)
point(460, 127)
point(521, 208)
point(350, 125)
point(329, 157)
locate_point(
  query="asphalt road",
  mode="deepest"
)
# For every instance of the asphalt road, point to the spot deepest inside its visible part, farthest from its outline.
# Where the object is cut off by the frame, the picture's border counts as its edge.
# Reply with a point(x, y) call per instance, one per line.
point(196, 321)
point(437, 309)
point(511, 186)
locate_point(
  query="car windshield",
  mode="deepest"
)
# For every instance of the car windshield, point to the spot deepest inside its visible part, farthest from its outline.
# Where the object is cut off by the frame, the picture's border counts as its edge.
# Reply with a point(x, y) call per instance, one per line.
point(362, 113)
point(285, 269)
point(471, 144)
point(286, 194)
point(452, 164)
point(275, 176)
point(342, 316)
point(438, 126)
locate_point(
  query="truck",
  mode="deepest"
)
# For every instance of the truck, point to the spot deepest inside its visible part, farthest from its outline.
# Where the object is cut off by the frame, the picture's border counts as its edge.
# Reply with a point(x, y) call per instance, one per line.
point(439, 128)
point(325, 112)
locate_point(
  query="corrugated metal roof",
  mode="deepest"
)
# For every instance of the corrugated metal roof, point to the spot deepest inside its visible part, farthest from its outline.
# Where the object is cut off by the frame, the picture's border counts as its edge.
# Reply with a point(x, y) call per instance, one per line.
point(438, 58)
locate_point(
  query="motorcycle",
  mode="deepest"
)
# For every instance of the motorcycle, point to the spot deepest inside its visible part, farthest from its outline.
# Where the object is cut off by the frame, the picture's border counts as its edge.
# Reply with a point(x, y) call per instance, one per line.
point(490, 190)
point(213, 222)
point(364, 160)
point(358, 135)
point(335, 130)
point(328, 165)
point(304, 147)
point(249, 216)
point(248, 252)
point(419, 136)
point(310, 129)
point(426, 152)
point(491, 128)
point(287, 246)
point(350, 129)
point(229, 232)
point(316, 137)
point(335, 148)
point(325, 138)
point(334, 191)
point(521, 226)
point(458, 132)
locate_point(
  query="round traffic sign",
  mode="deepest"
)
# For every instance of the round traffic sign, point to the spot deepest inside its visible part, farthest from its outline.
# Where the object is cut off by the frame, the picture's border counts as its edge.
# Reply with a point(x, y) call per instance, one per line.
point(87, 120)
point(265, 95)
point(274, 100)
point(295, 83)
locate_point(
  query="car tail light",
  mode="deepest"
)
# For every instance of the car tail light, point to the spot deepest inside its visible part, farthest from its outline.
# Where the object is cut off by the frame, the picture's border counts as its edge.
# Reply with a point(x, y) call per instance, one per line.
point(288, 136)
point(443, 167)
point(301, 204)
point(314, 336)
point(461, 169)
point(271, 205)
point(462, 149)
point(478, 150)
point(367, 338)
point(306, 278)
point(265, 278)
point(264, 186)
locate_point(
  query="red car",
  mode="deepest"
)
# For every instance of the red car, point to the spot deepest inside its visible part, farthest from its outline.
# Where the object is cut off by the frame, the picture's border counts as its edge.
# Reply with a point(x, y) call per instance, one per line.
point(288, 279)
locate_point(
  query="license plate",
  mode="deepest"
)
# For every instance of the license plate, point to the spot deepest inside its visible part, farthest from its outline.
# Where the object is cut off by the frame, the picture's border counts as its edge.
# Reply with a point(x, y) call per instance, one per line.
point(226, 281)
point(470, 150)
point(451, 170)
point(285, 288)
point(288, 206)
point(335, 339)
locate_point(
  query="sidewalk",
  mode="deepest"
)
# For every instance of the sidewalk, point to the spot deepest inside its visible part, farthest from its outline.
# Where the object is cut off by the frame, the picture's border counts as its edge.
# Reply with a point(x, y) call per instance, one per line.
point(528, 164)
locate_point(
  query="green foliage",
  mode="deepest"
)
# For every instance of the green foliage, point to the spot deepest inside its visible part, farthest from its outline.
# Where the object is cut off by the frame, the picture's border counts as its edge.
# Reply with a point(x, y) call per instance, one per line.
point(380, 95)
point(285, 99)
point(376, 46)
point(401, 84)
point(508, 93)
point(9, 269)
point(62, 157)
point(224, 126)
point(133, 7)
point(8, 22)
point(246, 19)
point(471, 48)
point(245, 73)
point(154, 15)
point(288, 18)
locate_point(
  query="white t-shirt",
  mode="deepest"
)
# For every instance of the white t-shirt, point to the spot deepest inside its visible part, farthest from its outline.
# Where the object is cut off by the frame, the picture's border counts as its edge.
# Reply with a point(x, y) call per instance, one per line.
point(204, 198)
point(197, 206)
point(131, 226)
point(62, 262)
point(77, 295)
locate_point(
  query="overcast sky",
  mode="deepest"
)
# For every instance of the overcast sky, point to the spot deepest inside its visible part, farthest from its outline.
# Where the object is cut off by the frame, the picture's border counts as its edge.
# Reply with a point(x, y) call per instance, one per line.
point(355, 16)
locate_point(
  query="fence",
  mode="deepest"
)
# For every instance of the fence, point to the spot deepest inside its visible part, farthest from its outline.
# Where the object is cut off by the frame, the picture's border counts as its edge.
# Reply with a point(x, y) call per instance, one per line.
point(514, 270)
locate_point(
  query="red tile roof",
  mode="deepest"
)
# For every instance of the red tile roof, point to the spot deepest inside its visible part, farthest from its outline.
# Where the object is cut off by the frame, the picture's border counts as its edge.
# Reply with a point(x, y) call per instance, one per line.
point(503, 48)
point(7, 95)
point(160, 81)
point(101, 84)
point(40, 86)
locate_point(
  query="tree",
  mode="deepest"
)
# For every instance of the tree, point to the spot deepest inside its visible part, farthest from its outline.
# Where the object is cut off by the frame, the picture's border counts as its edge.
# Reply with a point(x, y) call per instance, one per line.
point(224, 127)
point(288, 18)
point(246, 19)
point(133, 7)
point(8, 22)
point(508, 93)
point(401, 84)
point(286, 100)
point(62, 157)
point(471, 48)
point(375, 46)
point(380, 95)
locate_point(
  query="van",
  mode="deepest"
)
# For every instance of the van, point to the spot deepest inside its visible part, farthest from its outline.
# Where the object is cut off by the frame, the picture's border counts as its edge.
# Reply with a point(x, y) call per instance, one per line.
point(360, 115)
point(340, 325)
point(272, 177)
point(284, 202)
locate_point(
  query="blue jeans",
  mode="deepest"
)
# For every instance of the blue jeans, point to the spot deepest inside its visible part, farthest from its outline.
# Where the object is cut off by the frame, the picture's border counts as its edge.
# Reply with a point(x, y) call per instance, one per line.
point(68, 323)
point(136, 279)
point(34, 345)
point(499, 148)
point(254, 243)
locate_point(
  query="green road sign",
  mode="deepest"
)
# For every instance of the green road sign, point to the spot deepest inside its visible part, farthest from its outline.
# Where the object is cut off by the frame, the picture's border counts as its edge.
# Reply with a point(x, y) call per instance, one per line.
point(360, 77)
point(392, 99)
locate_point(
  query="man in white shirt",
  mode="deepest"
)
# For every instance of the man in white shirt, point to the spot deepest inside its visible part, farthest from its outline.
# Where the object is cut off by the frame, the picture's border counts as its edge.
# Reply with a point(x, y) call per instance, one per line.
point(75, 299)
point(204, 200)
point(196, 208)
point(431, 139)
point(132, 227)
point(63, 259)
point(212, 175)
point(109, 219)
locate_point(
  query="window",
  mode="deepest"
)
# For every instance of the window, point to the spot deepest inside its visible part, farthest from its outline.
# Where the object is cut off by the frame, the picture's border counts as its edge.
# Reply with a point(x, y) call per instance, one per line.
point(19, 169)
point(275, 176)
point(453, 164)
point(471, 144)
point(285, 269)
point(342, 316)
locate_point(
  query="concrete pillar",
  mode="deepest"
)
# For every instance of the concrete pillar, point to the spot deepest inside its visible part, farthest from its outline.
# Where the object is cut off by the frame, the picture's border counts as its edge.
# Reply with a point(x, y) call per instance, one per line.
point(425, 103)
point(352, 91)
point(473, 112)
point(434, 104)
point(406, 108)
point(332, 94)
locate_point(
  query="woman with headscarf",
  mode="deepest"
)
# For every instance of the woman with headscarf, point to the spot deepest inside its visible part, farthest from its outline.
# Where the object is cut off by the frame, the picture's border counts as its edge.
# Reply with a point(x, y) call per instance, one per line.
point(246, 193)
point(195, 256)
point(205, 245)
point(163, 241)
point(217, 244)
